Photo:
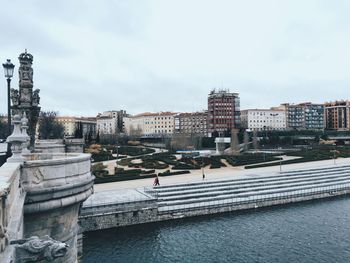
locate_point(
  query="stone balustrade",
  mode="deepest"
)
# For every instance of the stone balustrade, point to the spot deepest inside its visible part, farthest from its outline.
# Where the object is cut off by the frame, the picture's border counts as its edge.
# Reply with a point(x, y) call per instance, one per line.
point(50, 146)
point(11, 209)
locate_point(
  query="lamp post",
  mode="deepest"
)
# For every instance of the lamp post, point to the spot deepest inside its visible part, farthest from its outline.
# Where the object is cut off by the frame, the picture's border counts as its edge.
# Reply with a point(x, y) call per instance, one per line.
point(8, 70)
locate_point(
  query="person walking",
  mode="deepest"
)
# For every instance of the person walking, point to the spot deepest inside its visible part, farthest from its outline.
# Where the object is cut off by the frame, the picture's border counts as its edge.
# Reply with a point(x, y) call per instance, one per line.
point(156, 181)
point(203, 175)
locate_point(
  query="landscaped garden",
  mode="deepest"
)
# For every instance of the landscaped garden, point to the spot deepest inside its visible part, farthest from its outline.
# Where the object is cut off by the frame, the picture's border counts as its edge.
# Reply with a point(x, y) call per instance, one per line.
point(141, 162)
point(317, 153)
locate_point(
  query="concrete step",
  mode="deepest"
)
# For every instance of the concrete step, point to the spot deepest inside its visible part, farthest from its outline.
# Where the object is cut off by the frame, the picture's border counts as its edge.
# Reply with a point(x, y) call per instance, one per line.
point(252, 200)
point(239, 183)
point(219, 190)
point(253, 194)
point(324, 169)
point(284, 174)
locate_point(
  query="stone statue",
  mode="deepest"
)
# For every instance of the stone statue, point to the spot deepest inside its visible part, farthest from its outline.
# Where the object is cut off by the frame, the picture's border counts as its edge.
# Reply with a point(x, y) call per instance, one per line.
point(14, 97)
point(36, 97)
point(25, 70)
point(34, 249)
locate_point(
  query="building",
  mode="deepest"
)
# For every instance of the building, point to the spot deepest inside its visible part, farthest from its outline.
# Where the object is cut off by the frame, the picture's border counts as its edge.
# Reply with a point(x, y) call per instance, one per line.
point(111, 122)
point(337, 115)
point(223, 111)
point(194, 123)
point(70, 124)
point(263, 119)
point(150, 124)
point(305, 116)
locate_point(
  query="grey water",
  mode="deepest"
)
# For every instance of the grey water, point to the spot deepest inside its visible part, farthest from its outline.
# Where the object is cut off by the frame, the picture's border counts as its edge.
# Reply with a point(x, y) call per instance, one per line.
point(316, 231)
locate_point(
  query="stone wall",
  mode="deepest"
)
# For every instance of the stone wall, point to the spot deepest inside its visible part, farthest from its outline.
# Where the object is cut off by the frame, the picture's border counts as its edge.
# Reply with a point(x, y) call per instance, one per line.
point(11, 210)
point(109, 216)
point(123, 214)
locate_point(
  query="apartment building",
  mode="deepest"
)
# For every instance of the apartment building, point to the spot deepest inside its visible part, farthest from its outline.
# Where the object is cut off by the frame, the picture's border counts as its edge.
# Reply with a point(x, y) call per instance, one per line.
point(263, 119)
point(223, 111)
point(111, 122)
point(150, 124)
point(70, 124)
point(194, 123)
point(305, 116)
point(337, 115)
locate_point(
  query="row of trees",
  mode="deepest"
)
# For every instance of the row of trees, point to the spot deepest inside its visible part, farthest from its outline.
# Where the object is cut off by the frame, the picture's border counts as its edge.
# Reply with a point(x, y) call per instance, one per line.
point(49, 128)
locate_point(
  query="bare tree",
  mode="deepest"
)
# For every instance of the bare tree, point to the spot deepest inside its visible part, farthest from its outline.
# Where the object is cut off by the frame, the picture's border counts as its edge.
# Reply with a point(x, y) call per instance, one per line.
point(49, 128)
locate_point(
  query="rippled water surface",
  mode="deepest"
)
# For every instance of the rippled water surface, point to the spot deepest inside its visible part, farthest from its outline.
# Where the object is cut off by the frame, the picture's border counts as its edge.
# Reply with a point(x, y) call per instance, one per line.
point(316, 231)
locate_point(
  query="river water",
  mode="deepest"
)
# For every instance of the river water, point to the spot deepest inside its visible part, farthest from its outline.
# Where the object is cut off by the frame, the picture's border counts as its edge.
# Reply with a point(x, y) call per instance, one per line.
point(317, 231)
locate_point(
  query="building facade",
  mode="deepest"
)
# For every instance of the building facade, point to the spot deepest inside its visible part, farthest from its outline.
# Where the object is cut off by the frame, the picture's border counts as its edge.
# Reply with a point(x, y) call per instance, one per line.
point(111, 122)
point(263, 119)
point(150, 124)
point(337, 115)
point(70, 124)
point(194, 123)
point(305, 116)
point(223, 111)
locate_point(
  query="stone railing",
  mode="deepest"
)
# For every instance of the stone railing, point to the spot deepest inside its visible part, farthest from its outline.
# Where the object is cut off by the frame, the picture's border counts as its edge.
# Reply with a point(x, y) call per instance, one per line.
point(11, 209)
point(56, 185)
point(56, 180)
point(74, 145)
point(69, 145)
point(49, 146)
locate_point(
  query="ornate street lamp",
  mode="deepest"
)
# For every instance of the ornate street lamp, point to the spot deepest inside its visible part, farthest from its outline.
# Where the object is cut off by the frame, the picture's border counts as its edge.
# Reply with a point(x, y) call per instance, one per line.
point(8, 70)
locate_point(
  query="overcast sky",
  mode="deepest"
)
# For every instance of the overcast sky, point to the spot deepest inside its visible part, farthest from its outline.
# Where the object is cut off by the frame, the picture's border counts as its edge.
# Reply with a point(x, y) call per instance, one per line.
point(92, 56)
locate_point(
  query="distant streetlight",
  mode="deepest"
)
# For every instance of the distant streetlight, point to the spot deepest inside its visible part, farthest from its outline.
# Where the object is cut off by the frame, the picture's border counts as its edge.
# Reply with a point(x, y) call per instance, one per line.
point(8, 70)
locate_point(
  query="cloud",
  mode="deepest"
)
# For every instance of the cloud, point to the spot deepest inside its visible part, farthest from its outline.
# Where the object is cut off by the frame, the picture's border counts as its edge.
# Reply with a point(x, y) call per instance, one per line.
point(167, 55)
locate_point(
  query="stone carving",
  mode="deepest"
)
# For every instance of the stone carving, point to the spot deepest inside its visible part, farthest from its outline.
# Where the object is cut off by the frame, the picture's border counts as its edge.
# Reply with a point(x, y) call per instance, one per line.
point(25, 95)
point(36, 97)
point(25, 70)
point(34, 249)
point(14, 97)
point(3, 238)
point(38, 176)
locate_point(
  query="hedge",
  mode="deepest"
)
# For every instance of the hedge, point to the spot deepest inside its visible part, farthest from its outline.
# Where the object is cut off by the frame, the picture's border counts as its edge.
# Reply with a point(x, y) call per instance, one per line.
point(133, 150)
point(102, 156)
point(185, 166)
point(167, 173)
point(299, 160)
point(118, 178)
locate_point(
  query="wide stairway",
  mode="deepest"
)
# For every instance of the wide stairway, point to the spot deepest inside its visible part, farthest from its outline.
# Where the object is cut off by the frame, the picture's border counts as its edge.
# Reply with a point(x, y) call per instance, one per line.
point(252, 190)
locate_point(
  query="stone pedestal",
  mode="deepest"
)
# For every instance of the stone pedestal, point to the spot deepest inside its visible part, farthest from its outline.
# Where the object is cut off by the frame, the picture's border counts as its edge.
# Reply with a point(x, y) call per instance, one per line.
point(56, 186)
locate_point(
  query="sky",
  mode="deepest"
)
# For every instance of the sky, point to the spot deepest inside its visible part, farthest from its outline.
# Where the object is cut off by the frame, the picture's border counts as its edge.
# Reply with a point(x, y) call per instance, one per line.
point(167, 55)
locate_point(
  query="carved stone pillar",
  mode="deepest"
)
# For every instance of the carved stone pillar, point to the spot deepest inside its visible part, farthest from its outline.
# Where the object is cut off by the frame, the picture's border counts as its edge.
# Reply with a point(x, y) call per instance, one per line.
point(25, 99)
point(24, 127)
point(16, 139)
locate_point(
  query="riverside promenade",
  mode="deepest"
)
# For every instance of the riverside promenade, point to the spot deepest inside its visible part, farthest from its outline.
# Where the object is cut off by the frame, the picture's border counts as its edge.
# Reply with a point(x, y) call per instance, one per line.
point(223, 190)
